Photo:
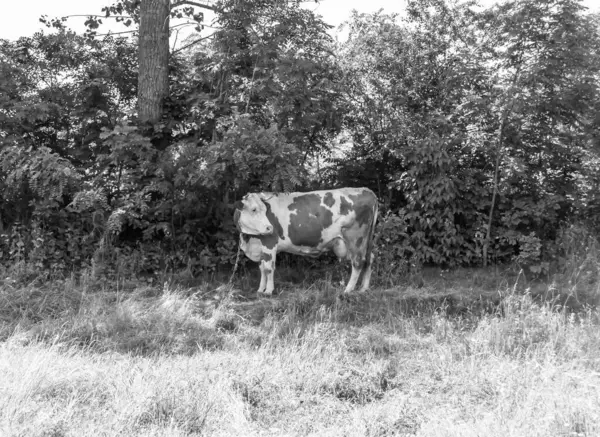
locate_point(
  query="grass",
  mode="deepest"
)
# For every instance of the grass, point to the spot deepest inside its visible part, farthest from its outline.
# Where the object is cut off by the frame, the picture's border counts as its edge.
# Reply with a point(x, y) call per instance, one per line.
point(462, 353)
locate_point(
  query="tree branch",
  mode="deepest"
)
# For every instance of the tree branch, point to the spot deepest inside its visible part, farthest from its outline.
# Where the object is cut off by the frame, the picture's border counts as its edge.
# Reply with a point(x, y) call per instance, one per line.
point(189, 23)
point(192, 3)
point(176, 36)
point(191, 44)
point(115, 33)
point(195, 23)
point(99, 16)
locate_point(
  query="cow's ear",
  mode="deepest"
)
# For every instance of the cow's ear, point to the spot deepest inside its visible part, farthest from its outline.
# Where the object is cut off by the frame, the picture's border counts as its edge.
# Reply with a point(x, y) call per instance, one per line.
point(238, 205)
point(266, 196)
point(236, 220)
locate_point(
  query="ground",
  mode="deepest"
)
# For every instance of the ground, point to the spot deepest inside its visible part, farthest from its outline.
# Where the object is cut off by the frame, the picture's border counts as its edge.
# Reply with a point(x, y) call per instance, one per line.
point(469, 353)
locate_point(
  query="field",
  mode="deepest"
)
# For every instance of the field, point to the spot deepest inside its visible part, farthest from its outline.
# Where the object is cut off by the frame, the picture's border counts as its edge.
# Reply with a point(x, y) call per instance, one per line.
point(465, 353)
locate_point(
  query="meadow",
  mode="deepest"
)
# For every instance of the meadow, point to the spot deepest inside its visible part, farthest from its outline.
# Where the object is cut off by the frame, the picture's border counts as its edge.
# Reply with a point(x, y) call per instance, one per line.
point(460, 353)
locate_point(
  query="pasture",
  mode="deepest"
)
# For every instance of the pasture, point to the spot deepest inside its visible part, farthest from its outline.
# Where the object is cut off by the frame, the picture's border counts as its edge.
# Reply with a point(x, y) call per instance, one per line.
point(461, 353)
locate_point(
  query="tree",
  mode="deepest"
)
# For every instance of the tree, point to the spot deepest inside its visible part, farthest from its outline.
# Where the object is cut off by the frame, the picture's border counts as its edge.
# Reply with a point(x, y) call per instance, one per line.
point(58, 92)
point(544, 68)
point(153, 19)
point(153, 76)
point(404, 85)
point(488, 114)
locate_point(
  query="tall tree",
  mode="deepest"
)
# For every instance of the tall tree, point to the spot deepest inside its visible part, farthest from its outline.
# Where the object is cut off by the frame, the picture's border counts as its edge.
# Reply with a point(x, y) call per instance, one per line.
point(153, 75)
point(151, 19)
point(544, 64)
point(488, 112)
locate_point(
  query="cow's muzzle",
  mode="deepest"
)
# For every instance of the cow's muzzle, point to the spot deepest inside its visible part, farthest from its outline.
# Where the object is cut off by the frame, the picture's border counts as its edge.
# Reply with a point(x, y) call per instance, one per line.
point(268, 230)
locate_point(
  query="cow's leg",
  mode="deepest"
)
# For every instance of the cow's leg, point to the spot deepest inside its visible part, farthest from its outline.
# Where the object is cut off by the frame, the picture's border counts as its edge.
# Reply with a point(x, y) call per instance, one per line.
point(357, 261)
point(356, 268)
point(355, 246)
point(367, 273)
point(267, 270)
point(270, 273)
point(263, 278)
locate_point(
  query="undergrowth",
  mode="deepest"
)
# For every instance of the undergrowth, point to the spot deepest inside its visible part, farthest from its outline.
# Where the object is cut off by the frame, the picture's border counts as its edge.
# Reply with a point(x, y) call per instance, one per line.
point(461, 353)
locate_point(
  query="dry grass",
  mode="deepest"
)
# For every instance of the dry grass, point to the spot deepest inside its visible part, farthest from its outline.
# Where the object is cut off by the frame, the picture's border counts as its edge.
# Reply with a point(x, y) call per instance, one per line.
point(454, 357)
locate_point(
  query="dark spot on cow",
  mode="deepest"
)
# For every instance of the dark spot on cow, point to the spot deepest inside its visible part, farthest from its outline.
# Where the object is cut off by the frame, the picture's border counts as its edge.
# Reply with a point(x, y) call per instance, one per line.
point(267, 271)
point(363, 206)
point(328, 199)
point(359, 242)
point(345, 206)
point(308, 218)
point(277, 228)
point(266, 256)
point(269, 241)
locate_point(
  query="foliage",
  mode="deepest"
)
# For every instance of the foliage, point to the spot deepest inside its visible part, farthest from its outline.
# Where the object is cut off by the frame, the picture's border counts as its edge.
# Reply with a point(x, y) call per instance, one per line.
point(434, 93)
point(477, 128)
point(58, 93)
point(240, 158)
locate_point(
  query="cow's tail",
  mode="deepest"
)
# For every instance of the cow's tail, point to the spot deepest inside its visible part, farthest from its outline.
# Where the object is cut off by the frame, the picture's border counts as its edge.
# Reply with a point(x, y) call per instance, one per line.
point(371, 239)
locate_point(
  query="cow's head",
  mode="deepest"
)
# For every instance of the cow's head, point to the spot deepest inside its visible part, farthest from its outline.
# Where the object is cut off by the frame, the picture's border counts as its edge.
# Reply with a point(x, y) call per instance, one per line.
point(251, 218)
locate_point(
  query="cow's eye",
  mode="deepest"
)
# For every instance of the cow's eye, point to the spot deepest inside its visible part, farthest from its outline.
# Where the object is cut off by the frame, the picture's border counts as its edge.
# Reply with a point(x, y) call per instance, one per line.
point(254, 209)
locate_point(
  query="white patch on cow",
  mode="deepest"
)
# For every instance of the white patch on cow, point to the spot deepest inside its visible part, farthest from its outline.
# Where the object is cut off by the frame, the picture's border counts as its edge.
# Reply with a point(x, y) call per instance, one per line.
point(252, 248)
point(339, 248)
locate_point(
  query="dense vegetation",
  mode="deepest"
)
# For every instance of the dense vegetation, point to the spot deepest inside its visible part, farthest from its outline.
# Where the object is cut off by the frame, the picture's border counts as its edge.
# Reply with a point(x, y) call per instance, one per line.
point(477, 128)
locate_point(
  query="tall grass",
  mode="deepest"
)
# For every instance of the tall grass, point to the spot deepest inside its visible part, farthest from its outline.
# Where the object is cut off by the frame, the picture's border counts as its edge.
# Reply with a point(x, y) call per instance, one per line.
point(427, 361)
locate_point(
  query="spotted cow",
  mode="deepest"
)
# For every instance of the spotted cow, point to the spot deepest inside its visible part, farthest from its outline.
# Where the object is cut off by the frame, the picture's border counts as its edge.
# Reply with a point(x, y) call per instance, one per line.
point(309, 224)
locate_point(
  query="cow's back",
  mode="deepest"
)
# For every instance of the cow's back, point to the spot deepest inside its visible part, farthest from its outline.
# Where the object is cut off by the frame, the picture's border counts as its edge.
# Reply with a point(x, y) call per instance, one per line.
point(307, 223)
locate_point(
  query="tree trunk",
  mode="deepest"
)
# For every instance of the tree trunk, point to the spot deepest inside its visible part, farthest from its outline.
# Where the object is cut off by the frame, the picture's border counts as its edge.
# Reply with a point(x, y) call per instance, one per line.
point(488, 233)
point(153, 75)
point(503, 120)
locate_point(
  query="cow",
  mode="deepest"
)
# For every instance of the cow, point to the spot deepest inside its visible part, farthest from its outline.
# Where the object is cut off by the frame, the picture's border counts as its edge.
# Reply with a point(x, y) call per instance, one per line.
point(309, 224)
